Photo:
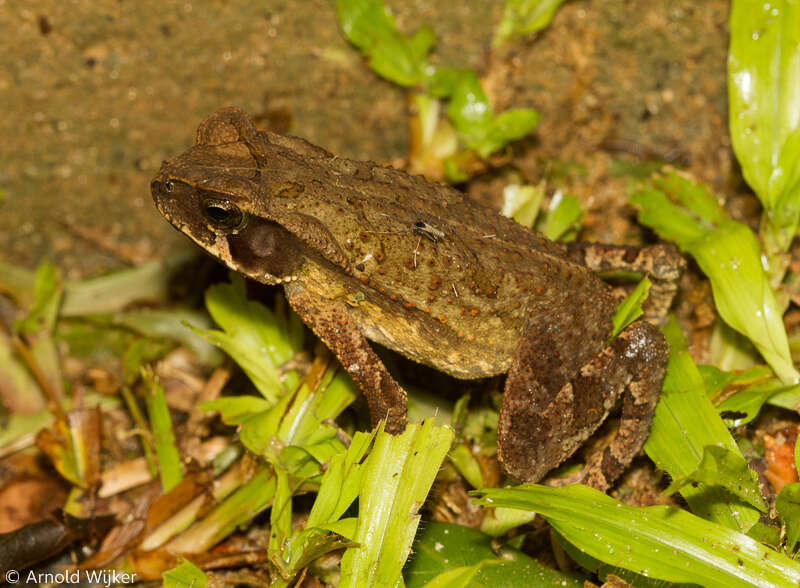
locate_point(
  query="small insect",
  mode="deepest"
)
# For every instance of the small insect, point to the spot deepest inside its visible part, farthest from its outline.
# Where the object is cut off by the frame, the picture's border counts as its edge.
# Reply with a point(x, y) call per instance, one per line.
point(425, 230)
point(428, 231)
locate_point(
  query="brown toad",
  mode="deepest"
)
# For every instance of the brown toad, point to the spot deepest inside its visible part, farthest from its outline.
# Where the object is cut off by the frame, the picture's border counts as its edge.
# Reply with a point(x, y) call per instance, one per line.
point(369, 252)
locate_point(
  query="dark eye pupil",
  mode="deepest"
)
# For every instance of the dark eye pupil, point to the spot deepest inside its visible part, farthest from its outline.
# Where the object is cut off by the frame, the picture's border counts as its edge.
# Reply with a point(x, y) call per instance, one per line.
point(169, 185)
point(222, 214)
point(217, 213)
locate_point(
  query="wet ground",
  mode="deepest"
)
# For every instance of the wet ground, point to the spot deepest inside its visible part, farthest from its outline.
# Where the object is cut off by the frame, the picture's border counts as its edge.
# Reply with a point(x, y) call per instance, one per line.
point(97, 93)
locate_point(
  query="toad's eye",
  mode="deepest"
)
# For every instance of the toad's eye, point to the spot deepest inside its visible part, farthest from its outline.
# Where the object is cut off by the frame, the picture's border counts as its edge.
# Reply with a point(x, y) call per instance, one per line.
point(223, 215)
point(169, 186)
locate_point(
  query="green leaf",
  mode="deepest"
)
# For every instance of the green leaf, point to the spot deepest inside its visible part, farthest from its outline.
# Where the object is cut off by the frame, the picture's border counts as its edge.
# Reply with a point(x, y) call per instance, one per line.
point(255, 337)
point(508, 126)
point(397, 477)
point(341, 482)
point(433, 139)
point(730, 350)
point(637, 170)
point(235, 410)
point(731, 258)
point(344, 527)
point(743, 406)
point(684, 424)
point(298, 419)
point(659, 542)
point(280, 515)
point(113, 292)
point(522, 202)
point(698, 213)
point(603, 570)
point(472, 116)
point(311, 544)
point(718, 381)
point(797, 457)
point(766, 534)
point(360, 19)
point(234, 511)
point(563, 217)
point(630, 309)
point(729, 254)
point(93, 338)
point(788, 505)
point(460, 577)
point(402, 60)
point(441, 547)
point(169, 460)
point(17, 425)
point(465, 463)
point(453, 172)
point(522, 17)
point(764, 98)
point(170, 324)
point(469, 107)
point(249, 322)
point(185, 575)
point(670, 222)
point(442, 81)
point(338, 489)
point(499, 521)
point(21, 394)
point(788, 397)
point(722, 467)
point(258, 429)
point(140, 352)
point(47, 293)
point(694, 197)
point(38, 326)
point(369, 25)
point(306, 418)
point(18, 283)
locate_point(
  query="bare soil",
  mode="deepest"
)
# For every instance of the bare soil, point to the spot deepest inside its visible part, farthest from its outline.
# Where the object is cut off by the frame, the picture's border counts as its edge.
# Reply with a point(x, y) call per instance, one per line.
point(96, 93)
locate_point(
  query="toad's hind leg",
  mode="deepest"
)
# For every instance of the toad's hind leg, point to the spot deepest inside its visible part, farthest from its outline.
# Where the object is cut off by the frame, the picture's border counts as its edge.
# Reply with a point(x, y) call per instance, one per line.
point(661, 263)
point(543, 421)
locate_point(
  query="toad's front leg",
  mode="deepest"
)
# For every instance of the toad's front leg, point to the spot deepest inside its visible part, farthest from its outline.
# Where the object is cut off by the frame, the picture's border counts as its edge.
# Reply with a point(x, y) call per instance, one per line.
point(332, 322)
point(545, 419)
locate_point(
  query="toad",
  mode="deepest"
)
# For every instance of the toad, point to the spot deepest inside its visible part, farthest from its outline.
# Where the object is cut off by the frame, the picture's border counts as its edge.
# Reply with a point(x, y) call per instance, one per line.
point(369, 253)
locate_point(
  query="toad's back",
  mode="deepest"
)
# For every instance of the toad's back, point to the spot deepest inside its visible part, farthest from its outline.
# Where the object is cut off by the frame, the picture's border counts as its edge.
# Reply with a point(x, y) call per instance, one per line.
point(471, 277)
